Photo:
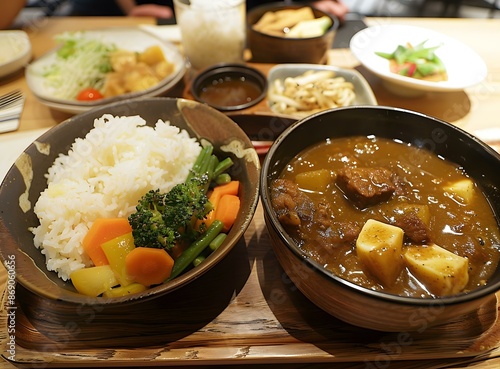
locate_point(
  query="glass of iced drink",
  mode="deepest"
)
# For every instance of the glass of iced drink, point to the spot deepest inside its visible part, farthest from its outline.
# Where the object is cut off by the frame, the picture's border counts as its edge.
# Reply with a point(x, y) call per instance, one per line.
point(212, 31)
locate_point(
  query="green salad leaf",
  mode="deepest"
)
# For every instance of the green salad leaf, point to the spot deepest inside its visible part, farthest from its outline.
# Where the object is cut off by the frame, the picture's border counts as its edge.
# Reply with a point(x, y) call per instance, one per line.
point(81, 62)
point(416, 61)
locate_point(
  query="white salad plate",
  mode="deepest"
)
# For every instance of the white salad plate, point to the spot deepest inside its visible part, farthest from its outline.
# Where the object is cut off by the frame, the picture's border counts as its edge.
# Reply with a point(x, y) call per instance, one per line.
point(465, 68)
point(133, 39)
point(15, 52)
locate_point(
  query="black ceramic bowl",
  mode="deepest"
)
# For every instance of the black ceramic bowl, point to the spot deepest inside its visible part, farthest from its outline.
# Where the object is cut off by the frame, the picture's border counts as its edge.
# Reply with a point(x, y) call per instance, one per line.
point(274, 49)
point(199, 120)
point(345, 300)
point(229, 87)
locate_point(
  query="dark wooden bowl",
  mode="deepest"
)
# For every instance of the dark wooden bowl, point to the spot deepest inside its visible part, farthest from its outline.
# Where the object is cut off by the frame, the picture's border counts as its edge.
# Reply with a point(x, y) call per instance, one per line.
point(199, 120)
point(345, 300)
point(273, 49)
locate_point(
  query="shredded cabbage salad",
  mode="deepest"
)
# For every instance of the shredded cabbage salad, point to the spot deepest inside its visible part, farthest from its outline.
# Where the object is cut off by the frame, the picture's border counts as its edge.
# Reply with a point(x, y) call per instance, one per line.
point(81, 62)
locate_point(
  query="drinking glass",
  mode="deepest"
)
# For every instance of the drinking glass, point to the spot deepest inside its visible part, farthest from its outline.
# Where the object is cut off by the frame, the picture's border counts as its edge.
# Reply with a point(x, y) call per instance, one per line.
point(212, 31)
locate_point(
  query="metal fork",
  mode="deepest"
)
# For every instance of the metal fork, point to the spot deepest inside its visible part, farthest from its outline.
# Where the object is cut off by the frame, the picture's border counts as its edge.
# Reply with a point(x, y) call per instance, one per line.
point(10, 98)
point(11, 107)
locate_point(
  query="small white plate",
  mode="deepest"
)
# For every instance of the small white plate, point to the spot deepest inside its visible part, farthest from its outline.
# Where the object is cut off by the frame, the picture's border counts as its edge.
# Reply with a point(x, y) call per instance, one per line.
point(16, 51)
point(134, 39)
point(464, 67)
point(363, 91)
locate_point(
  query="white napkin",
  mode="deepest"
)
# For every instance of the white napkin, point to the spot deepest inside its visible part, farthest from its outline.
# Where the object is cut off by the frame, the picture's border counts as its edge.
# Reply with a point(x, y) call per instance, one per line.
point(9, 117)
point(12, 145)
point(170, 33)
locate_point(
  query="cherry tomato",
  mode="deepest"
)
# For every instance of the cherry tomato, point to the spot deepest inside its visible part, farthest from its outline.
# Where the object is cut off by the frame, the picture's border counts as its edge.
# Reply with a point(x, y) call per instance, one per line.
point(89, 94)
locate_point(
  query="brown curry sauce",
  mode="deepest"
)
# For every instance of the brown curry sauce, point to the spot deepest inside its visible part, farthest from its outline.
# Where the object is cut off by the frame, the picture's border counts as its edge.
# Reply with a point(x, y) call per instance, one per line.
point(330, 221)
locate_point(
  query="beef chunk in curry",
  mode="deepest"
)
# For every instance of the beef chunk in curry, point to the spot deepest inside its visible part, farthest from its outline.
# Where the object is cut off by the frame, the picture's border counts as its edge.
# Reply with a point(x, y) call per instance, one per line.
point(366, 186)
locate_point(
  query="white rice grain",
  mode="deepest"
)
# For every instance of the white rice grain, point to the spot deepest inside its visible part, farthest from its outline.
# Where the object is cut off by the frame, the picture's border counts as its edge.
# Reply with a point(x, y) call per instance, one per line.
point(104, 175)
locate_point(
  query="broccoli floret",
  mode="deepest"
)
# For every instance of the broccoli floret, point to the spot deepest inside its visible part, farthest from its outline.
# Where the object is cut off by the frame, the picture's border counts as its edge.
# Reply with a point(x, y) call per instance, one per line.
point(162, 220)
point(148, 227)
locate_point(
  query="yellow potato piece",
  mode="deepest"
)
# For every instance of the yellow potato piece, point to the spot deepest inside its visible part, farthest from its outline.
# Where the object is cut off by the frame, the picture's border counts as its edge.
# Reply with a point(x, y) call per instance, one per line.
point(421, 211)
point(379, 248)
point(314, 180)
point(94, 281)
point(116, 251)
point(441, 271)
point(152, 55)
point(125, 290)
point(463, 188)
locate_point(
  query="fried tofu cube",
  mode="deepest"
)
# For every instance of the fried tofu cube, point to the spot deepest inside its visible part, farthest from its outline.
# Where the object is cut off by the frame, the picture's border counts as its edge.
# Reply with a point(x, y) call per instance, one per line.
point(379, 248)
point(464, 189)
point(441, 271)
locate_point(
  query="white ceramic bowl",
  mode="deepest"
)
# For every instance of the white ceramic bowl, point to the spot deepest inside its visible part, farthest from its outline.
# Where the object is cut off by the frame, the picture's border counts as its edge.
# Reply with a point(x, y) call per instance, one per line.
point(363, 91)
point(16, 51)
point(134, 39)
point(464, 66)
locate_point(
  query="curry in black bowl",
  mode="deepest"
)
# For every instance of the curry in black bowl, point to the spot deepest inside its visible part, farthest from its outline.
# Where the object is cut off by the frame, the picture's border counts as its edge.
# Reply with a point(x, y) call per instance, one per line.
point(388, 216)
point(383, 217)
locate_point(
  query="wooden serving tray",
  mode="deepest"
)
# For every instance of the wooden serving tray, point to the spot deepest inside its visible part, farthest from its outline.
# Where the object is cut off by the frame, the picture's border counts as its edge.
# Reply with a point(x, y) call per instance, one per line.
point(245, 310)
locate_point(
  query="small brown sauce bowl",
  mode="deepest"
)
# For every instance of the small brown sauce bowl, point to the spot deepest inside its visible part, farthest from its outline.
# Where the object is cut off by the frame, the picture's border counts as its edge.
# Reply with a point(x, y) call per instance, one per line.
point(228, 87)
point(345, 300)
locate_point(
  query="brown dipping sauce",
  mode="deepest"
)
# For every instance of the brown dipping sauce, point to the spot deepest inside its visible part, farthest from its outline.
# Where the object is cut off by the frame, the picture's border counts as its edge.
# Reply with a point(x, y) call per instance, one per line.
point(230, 92)
point(467, 229)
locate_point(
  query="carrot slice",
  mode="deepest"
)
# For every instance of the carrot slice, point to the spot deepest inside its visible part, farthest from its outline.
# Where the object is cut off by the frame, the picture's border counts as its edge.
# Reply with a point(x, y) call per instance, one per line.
point(148, 266)
point(230, 188)
point(102, 230)
point(227, 210)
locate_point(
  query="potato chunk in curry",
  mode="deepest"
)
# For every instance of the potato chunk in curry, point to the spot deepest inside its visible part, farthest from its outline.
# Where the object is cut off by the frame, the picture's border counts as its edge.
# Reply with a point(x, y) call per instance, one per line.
point(379, 248)
point(442, 272)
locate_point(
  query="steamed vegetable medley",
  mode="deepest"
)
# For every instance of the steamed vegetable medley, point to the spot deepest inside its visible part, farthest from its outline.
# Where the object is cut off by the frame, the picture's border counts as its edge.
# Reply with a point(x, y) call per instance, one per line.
point(104, 70)
point(417, 62)
point(168, 233)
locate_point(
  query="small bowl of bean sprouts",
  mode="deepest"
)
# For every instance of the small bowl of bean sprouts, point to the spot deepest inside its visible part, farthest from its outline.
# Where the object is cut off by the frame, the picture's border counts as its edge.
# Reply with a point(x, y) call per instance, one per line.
point(300, 90)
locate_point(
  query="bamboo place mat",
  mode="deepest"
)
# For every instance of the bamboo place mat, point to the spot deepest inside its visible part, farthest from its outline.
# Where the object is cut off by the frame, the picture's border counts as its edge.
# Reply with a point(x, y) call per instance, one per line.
point(256, 316)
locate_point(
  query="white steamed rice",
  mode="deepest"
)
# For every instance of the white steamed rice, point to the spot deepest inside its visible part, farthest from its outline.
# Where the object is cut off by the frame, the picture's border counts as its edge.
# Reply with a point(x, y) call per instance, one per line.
point(104, 175)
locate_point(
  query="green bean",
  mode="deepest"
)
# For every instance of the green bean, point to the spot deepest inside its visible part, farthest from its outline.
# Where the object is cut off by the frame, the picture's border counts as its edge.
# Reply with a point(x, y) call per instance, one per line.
point(223, 166)
point(196, 248)
point(217, 241)
point(200, 160)
point(206, 161)
point(223, 179)
point(214, 161)
point(198, 260)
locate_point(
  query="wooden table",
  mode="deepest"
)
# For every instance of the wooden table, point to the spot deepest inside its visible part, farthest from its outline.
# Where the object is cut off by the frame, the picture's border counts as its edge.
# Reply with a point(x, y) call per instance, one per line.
point(476, 108)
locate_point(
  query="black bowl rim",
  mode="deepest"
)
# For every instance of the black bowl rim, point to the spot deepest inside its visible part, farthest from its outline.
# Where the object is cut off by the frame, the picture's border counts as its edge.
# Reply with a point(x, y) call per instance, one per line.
point(281, 5)
point(237, 68)
point(475, 294)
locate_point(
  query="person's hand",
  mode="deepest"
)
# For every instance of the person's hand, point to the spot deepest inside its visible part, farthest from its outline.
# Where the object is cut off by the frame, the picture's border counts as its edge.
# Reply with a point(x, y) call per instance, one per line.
point(151, 10)
point(335, 7)
point(9, 10)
